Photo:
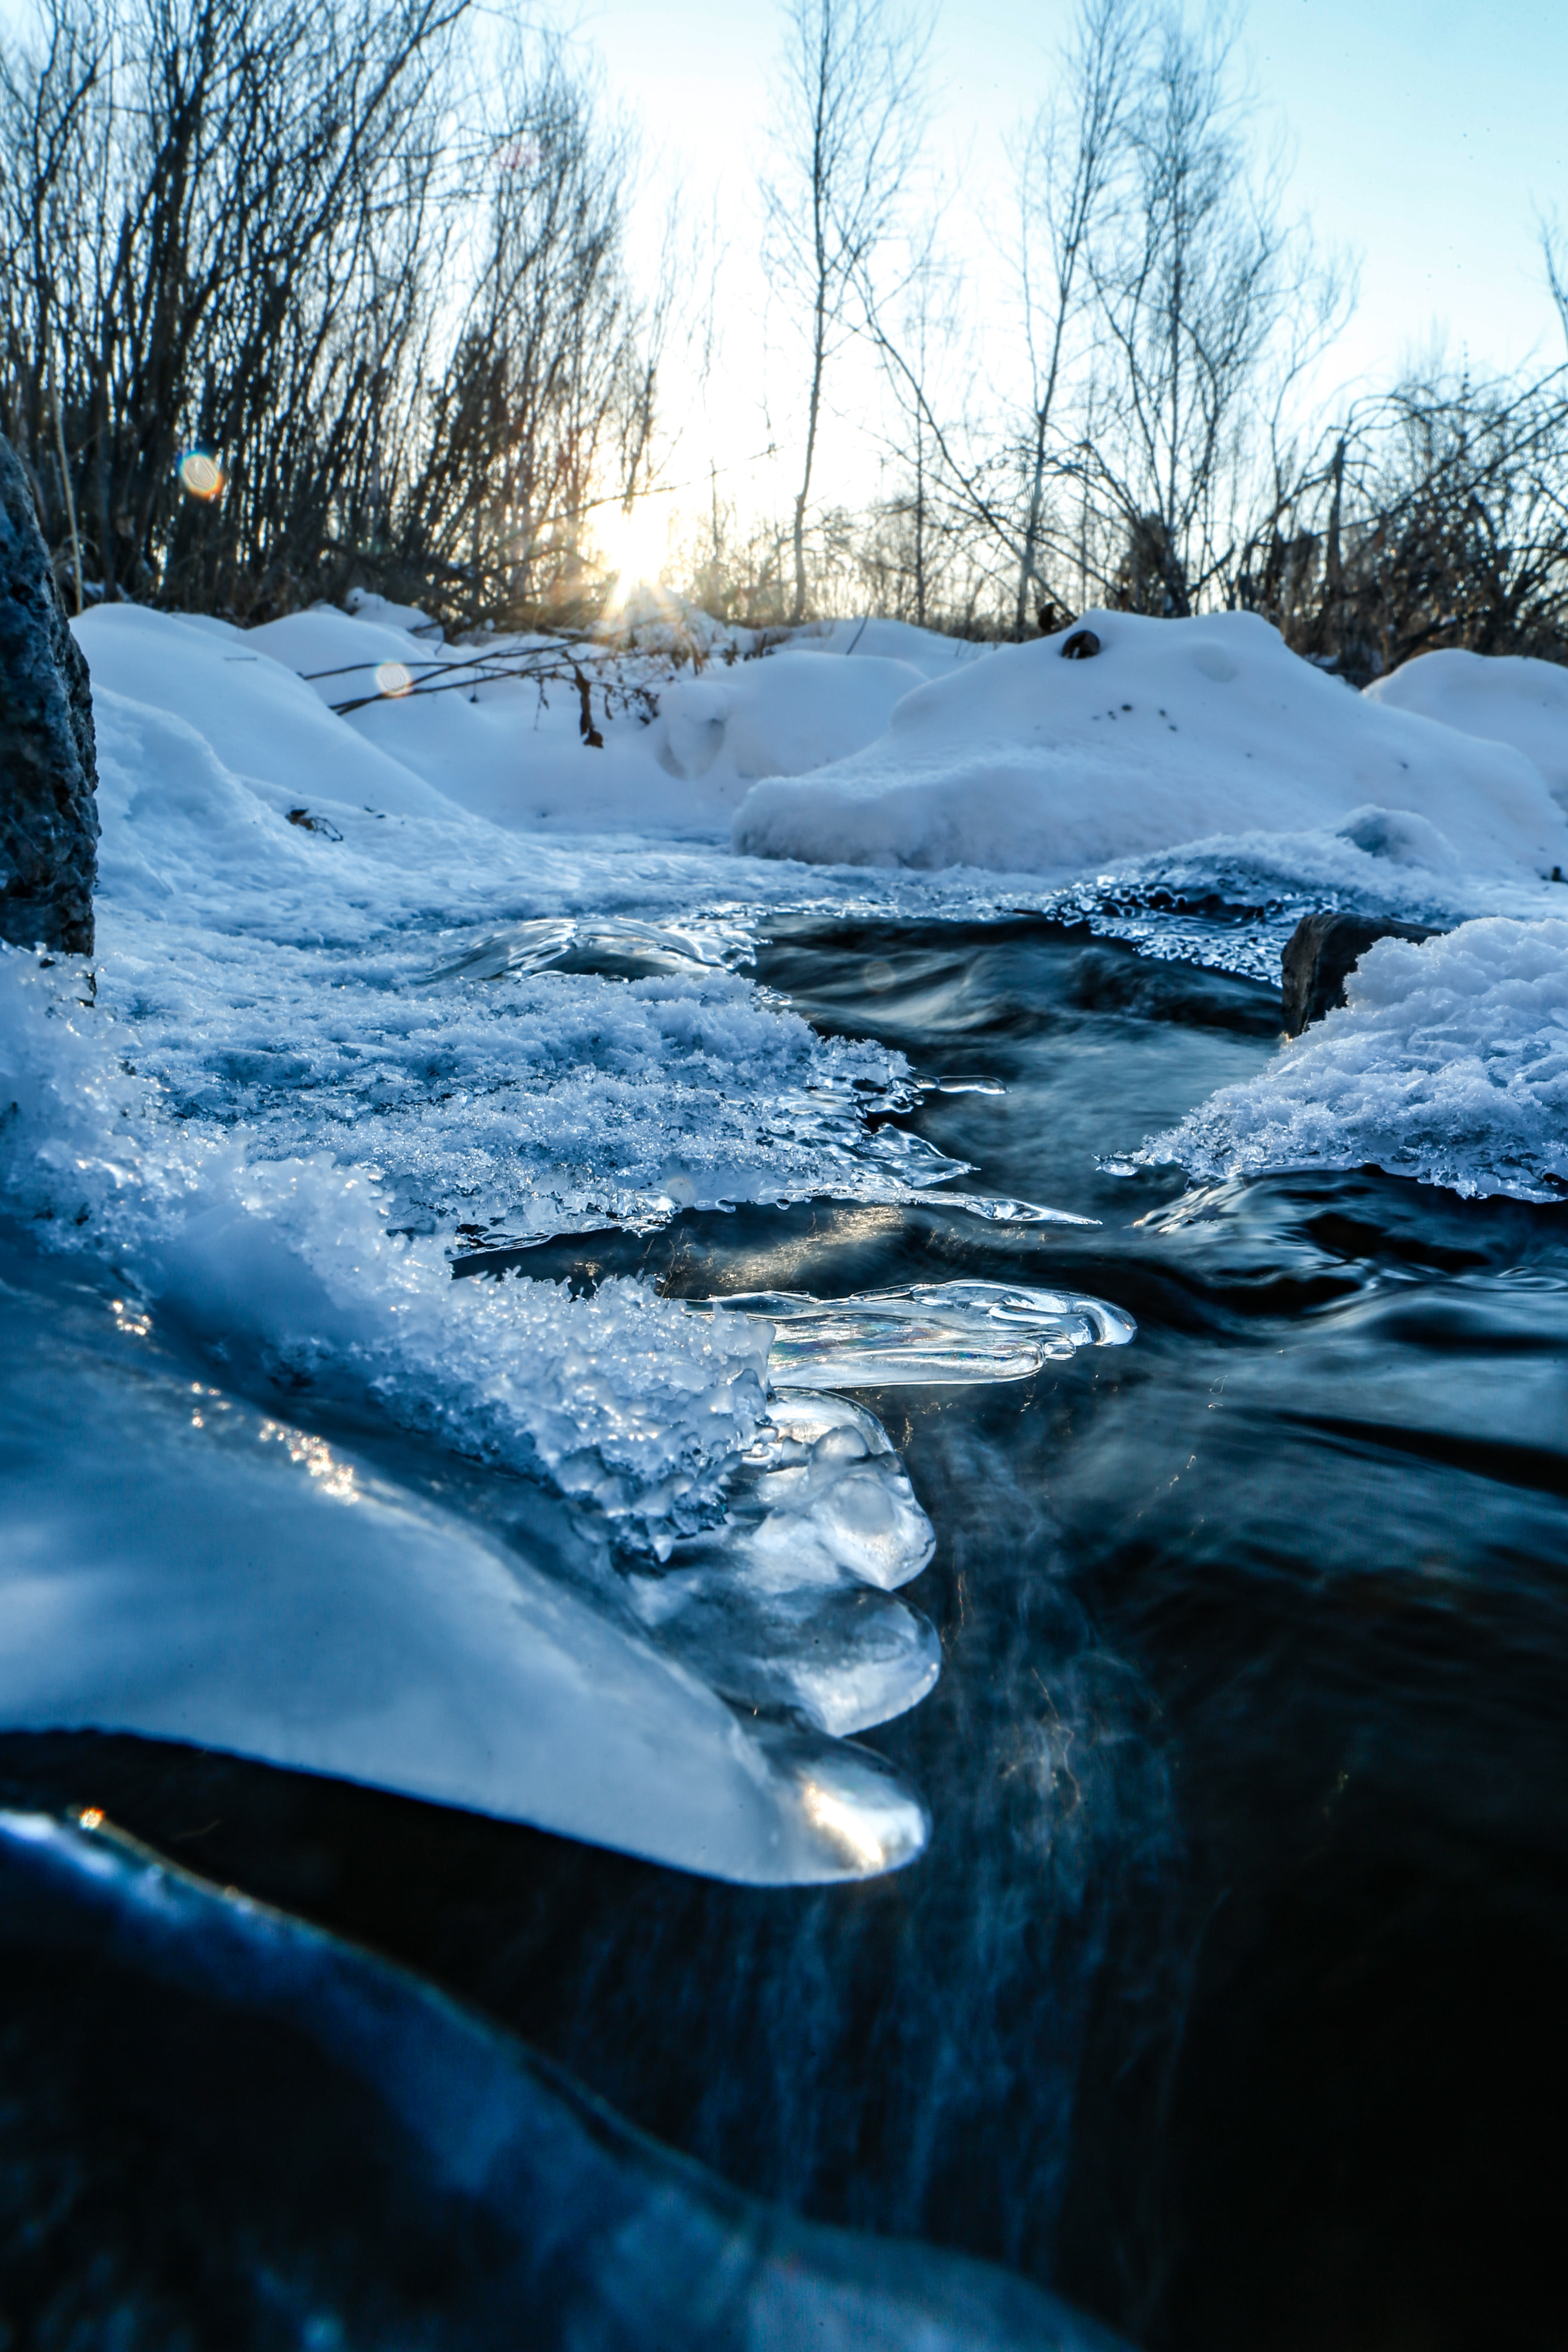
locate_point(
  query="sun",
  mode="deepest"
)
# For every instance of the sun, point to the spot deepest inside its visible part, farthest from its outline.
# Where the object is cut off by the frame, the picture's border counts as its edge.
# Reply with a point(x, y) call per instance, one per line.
point(635, 543)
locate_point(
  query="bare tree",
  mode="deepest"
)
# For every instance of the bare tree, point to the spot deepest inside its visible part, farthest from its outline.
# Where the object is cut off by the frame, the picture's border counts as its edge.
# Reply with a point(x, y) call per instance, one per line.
point(1073, 158)
point(1208, 305)
point(218, 222)
point(542, 408)
point(846, 140)
point(1433, 514)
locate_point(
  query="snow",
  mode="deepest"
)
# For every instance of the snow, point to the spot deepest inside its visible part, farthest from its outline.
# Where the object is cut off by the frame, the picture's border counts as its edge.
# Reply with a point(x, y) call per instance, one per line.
point(260, 720)
point(1448, 1063)
point(1178, 730)
point(1501, 698)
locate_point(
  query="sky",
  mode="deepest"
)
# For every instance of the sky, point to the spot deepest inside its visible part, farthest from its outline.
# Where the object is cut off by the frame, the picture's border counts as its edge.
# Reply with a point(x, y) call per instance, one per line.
point(1426, 136)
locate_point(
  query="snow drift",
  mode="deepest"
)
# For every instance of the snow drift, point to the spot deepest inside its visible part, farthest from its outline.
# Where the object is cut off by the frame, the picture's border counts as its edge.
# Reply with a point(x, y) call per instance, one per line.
point(1501, 698)
point(1027, 763)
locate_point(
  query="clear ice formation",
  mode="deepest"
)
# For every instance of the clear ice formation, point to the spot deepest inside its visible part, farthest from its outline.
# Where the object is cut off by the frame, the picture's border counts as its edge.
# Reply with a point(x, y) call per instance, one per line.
point(610, 946)
point(1003, 1212)
point(928, 1332)
point(177, 1564)
point(788, 1605)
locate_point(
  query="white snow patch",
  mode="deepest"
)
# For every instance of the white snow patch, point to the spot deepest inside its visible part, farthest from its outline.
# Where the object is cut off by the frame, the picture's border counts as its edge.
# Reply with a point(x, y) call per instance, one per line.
point(1448, 1063)
point(1501, 698)
point(1026, 761)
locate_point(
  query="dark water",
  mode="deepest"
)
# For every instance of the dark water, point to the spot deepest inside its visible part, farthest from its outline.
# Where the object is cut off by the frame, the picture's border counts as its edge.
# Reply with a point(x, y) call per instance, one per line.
point(1229, 1999)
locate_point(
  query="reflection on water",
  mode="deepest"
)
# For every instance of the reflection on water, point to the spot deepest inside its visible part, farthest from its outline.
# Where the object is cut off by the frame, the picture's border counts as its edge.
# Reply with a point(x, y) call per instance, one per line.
point(1227, 1996)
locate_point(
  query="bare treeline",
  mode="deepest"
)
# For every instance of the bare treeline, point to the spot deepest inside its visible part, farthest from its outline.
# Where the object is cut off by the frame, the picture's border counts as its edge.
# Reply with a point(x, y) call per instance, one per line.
point(298, 297)
point(311, 254)
point(1148, 441)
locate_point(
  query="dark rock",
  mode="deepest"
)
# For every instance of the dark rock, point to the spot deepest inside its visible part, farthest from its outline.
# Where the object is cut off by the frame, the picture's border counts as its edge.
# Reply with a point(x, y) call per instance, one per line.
point(49, 772)
point(1321, 954)
point(1082, 646)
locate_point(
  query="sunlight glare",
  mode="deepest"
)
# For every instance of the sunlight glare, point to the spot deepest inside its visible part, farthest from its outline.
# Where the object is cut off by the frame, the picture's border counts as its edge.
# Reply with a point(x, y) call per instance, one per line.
point(635, 543)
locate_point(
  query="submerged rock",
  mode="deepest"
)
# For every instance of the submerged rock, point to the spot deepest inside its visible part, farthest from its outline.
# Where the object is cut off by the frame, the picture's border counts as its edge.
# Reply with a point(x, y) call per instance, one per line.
point(1321, 954)
point(48, 773)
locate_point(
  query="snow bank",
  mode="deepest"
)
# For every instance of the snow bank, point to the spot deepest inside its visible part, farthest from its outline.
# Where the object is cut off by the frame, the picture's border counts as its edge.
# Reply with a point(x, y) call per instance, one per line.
point(932, 655)
point(259, 718)
point(1448, 1063)
point(1502, 698)
point(680, 747)
point(1027, 763)
point(779, 717)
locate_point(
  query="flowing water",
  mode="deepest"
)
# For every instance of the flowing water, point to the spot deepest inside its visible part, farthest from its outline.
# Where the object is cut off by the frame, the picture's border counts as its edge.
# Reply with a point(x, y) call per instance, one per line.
point(1227, 1996)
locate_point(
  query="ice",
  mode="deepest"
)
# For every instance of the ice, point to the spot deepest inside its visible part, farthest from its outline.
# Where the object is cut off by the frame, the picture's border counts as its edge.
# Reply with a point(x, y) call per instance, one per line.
point(1448, 1063)
point(614, 947)
point(179, 1565)
point(927, 1332)
point(999, 1211)
point(342, 1028)
point(787, 1604)
point(1179, 730)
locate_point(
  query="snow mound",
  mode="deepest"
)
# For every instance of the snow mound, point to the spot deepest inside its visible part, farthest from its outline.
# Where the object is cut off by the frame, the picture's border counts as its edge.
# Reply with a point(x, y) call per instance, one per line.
point(1026, 763)
point(1502, 698)
point(256, 716)
point(1448, 1063)
point(779, 717)
point(932, 655)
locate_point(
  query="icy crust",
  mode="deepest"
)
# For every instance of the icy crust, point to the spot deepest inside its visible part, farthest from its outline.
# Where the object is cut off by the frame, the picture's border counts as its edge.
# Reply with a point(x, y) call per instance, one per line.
point(618, 1400)
point(406, 1649)
point(1177, 731)
point(1448, 1063)
point(536, 1103)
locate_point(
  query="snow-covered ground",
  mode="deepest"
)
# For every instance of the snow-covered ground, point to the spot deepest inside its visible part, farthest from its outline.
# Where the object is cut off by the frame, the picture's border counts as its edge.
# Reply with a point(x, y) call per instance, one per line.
point(393, 961)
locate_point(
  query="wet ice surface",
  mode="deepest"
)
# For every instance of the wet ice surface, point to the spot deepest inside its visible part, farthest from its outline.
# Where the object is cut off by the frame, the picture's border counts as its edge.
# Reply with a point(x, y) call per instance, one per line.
point(180, 1565)
point(926, 1333)
point(789, 1602)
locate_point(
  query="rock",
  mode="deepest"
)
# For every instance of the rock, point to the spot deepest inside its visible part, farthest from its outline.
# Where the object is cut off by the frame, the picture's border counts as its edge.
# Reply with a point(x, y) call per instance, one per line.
point(48, 772)
point(1323, 952)
point(1082, 646)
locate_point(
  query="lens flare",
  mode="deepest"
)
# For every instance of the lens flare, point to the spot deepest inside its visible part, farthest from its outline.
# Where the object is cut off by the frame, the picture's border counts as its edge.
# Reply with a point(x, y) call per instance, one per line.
point(393, 680)
point(201, 475)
